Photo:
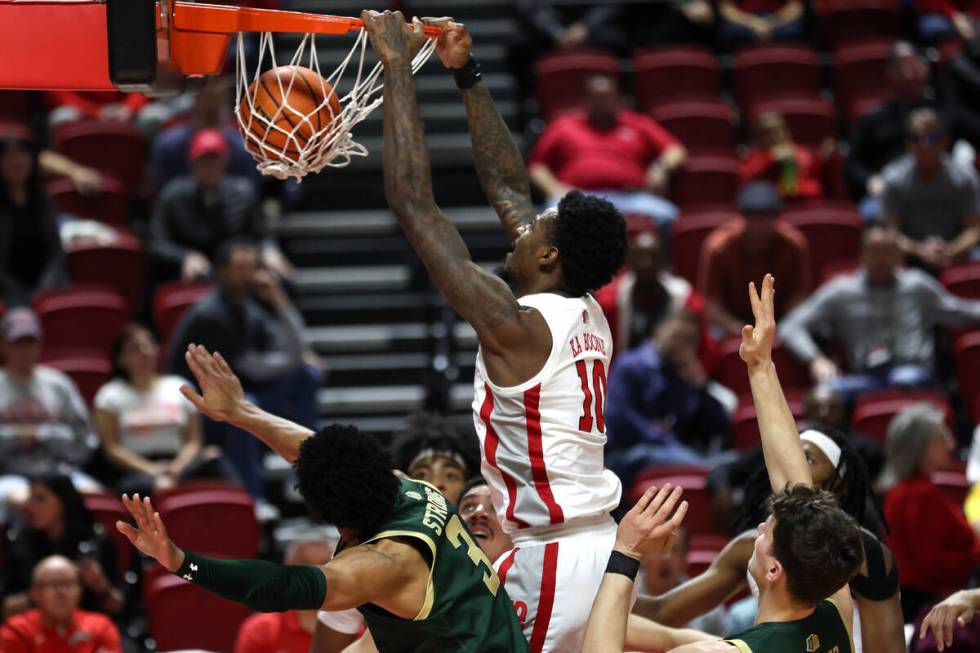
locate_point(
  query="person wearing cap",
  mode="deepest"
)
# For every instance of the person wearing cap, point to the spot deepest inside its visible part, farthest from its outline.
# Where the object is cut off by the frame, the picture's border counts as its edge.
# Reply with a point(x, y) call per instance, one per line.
point(195, 213)
point(884, 317)
point(747, 248)
point(44, 424)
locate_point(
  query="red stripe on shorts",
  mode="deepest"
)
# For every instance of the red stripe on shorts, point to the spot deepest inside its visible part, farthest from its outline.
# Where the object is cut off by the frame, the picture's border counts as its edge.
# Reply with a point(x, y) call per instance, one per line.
point(490, 445)
point(535, 449)
point(546, 599)
point(507, 564)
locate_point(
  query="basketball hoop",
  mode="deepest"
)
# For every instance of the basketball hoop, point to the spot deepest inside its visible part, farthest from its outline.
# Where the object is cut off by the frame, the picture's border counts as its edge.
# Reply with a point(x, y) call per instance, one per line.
point(310, 146)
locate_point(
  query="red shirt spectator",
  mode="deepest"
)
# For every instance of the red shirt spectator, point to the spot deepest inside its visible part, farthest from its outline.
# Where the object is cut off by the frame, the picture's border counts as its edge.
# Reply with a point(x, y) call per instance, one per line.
point(615, 158)
point(92, 104)
point(277, 632)
point(796, 170)
point(948, 8)
point(88, 632)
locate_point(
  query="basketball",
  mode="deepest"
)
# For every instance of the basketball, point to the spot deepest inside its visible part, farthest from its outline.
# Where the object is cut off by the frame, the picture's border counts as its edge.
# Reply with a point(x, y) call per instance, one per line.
point(287, 100)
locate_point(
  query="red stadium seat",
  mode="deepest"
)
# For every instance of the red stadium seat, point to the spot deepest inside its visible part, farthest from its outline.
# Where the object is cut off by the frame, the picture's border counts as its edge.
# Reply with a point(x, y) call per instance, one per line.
point(873, 411)
point(120, 265)
point(701, 125)
point(15, 107)
point(811, 120)
point(107, 510)
point(81, 317)
point(834, 235)
point(191, 518)
point(694, 480)
point(183, 616)
point(963, 280)
point(706, 179)
point(954, 485)
point(745, 424)
point(843, 21)
point(114, 148)
point(730, 371)
point(170, 302)
point(671, 73)
point(860, 77)
point(89, 372)
point(768, 71)
point(110, 205)
point(967, 351)
point(688, 235)
point(561, 77)
point(195, 486)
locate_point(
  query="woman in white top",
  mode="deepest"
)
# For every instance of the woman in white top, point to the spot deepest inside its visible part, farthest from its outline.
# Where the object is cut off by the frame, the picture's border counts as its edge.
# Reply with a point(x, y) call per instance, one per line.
point(149, 432)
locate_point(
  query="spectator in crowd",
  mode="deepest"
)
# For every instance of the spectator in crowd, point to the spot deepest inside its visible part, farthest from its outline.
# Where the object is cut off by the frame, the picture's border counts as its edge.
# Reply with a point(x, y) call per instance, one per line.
point(170, 154)
point(264, 346)
point(760, 21)
point(440, 450)
point(935, 547)
point(58, 523)
point(73, 106)
point(972, 504)
point(942, 20)
point(883, 315)
point(44, 423)
point(879, 137)
point(931, 200)
point(623, 156)
point(662, 572)
point(747, 249)
point(659, 409)
point(57, 623)
point(30, 250)
point(196, 213)
point(670, 21)
point(149, 432)
point(962, 81)
point(797, 171)
point(285, 632)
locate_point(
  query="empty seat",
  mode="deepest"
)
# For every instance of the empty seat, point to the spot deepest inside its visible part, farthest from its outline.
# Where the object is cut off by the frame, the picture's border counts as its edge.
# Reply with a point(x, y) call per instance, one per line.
point(114, 148)
point(706, 179)
point(169, 303)
point(89, 372)
point(670, 73)
point(850, 21)
point(811, 120)
point(834, 236)
point(191, 518)
point(701, 125)
point(81, 317)
point(183, 616)
point(694, 480)
point(860, 77)
point(120, 265)
point(873, 411)
point(967, 351)
point(730, 370)
point(688, 235)
point(560, 79)
point(107, 509)
point(767, 71)
point(963, 280)
point(110, 205)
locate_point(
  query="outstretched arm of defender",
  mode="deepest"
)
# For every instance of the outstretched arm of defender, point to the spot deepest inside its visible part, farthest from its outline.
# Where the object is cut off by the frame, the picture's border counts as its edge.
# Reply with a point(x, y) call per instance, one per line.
point(480, 298)
point(222, 399)
point(781, 446)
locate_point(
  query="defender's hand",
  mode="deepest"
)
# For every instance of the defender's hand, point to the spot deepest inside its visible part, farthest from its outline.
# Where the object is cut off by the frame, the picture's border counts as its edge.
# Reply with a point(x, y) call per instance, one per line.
point(150, 535)
point(395, 41)
point(756, 347)
point(649, 528)
point(956, 610)
point(222, 392)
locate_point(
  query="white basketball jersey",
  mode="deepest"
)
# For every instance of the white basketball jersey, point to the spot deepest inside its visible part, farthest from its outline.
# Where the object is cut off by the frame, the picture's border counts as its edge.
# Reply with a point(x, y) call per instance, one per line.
point(543, 440)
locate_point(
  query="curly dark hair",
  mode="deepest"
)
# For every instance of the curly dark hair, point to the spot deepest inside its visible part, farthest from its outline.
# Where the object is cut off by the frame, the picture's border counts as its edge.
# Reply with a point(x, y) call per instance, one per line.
point(346, 479)
point(817, 543)
point(440, 433)
point(590, 235)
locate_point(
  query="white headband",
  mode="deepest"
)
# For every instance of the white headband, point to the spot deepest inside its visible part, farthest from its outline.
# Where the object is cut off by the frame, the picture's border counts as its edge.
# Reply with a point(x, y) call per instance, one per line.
point(825, 444)
point(444, 453)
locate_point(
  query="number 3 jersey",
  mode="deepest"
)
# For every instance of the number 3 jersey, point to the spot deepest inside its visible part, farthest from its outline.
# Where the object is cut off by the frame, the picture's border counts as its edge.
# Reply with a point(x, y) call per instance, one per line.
point(543, 440)
point(466, 609)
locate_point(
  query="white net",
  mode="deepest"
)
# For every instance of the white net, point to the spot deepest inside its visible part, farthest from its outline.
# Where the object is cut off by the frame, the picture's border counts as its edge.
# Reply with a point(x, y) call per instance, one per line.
point(293, 142)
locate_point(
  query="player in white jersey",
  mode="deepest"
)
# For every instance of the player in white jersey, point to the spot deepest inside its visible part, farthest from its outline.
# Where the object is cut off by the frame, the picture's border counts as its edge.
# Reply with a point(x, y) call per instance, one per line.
point(544, 343)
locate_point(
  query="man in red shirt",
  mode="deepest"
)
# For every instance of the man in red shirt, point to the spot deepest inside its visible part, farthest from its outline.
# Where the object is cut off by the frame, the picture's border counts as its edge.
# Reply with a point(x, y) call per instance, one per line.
point(285, 632)
point(623, 156)
point(56, 625)
point(747, 249)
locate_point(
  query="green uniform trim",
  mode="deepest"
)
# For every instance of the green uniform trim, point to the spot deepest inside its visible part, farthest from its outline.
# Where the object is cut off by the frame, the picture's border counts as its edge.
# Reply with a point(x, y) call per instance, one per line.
point(430, 592)
point(823, 631)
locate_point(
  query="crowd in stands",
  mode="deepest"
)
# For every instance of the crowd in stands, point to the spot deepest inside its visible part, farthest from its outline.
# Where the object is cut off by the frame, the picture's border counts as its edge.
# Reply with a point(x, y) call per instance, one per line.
point(833, 150)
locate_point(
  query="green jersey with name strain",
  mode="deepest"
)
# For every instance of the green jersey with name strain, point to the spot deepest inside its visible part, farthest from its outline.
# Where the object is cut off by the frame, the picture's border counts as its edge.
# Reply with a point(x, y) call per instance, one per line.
point(821, 632)
point(466, 609)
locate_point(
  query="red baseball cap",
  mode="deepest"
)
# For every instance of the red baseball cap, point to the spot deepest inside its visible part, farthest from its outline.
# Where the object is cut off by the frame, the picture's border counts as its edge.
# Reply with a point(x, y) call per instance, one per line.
point(208, 141)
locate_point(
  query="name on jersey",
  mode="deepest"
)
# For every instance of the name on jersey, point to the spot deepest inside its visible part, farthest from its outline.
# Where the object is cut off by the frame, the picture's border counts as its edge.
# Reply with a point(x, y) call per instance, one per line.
point(587, 342)
point(436, 510)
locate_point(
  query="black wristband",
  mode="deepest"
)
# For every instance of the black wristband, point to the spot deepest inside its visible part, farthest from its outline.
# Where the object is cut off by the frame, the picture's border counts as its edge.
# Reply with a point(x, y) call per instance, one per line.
point(468, 75)
point(620, 563)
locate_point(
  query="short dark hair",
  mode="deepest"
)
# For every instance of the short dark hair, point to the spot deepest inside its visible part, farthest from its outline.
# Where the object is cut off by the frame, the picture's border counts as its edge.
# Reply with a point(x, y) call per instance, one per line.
point(439, 433)
point(928, 114)
point(817, 543)
point(474, 482)
point(346, 479)
point(222, 256)
point(116, 350)
point(590, 235)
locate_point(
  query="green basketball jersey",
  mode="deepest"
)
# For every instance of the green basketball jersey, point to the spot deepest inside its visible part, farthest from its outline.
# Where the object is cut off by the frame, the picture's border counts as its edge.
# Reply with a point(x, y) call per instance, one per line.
point(466, 609)
point(822, 632)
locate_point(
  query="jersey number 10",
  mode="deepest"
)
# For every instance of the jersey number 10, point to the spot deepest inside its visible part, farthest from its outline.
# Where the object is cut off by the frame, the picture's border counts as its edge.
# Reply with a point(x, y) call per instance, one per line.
point(594, 395)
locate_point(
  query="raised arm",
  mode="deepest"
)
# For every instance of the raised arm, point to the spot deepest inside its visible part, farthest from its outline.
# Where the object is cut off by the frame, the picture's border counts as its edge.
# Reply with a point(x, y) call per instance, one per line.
point(781, 446)
point(479, 297)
